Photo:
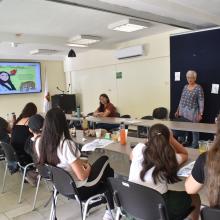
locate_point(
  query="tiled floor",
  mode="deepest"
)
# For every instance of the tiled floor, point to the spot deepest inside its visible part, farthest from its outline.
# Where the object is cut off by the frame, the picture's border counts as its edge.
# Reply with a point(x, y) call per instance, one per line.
point(66, 209)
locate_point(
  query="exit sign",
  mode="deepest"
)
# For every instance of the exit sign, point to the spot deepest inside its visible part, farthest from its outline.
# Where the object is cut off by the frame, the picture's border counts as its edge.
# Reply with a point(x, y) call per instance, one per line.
point(118, 75)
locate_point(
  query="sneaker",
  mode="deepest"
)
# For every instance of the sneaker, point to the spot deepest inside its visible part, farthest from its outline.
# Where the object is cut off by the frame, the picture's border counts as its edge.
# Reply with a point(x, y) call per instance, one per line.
point(108, 216)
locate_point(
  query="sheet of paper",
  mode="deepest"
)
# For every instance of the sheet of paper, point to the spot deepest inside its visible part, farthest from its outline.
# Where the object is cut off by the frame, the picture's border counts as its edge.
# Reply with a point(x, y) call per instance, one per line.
point(133, 121)
point(177, 76)
point(215, 88)
point(186, 170)
point(97, 143)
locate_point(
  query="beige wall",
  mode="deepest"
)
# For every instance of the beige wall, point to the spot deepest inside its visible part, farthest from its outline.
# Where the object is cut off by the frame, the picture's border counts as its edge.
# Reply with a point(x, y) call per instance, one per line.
point(15, 103)
point(145, 83)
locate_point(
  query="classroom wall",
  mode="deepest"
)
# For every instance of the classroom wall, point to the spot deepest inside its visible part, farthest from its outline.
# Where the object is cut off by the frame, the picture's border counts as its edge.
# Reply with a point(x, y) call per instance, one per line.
point(145, 82)
point(55, 76)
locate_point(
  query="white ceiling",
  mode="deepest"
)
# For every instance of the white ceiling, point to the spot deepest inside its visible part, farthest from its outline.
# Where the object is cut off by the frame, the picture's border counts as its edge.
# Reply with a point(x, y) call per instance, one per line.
point(48, 25)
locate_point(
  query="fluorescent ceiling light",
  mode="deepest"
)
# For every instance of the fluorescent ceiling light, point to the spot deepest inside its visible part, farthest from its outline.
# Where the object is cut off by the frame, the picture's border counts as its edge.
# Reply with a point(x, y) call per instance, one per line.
point(129, 25)
point(76, 45)
point(84, 40)
point(43, 52)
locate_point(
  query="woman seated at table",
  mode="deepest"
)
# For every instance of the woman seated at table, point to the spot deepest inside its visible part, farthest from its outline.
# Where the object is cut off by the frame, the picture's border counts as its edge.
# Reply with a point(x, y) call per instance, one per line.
point(106, 108)
point(20, 133)
point(55, 147)
point(155, 165)
point(206, 173)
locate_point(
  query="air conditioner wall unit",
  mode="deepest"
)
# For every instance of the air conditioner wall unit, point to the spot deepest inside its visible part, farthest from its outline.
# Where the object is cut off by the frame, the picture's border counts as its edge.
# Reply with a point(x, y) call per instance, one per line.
point(129, 52)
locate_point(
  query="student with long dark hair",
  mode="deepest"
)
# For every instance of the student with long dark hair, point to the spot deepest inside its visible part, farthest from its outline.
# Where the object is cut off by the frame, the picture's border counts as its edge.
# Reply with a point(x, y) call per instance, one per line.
point(106, 108)
point(57, 148)
point(206, 172)
point(155, 165)
point(20, 132)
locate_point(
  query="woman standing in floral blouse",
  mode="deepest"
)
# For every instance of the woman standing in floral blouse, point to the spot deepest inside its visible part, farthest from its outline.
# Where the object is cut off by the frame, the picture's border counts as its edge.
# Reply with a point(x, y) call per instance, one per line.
point(191, 104)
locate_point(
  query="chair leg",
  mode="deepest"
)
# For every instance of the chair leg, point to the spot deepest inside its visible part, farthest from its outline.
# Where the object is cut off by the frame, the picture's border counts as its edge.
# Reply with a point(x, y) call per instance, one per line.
point(36, 192)
point(85, 208)
point(22, 184)
point(4, 177)
point(53, 205)
point(118, 214)
point(86, 205)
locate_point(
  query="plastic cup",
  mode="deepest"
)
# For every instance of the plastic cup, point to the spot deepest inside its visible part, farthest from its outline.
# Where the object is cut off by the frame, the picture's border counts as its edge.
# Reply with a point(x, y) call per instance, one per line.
point(209, 144)
point(114, 136)
point(202, 146)
point(98, 132)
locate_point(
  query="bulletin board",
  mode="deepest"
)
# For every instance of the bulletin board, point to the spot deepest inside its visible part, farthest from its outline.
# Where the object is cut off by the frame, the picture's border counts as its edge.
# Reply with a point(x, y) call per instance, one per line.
point(199, 51)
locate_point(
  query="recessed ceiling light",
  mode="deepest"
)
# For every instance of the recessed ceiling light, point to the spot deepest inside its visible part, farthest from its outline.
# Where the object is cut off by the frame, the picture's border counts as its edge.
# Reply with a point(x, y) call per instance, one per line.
point(43, 52)
point(76, 45)
point(129, 25)
point(84, 40)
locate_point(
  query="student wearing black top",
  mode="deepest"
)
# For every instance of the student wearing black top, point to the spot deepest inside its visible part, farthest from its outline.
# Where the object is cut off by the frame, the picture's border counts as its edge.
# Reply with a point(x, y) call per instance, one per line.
point(20, 133)
point(206, 172)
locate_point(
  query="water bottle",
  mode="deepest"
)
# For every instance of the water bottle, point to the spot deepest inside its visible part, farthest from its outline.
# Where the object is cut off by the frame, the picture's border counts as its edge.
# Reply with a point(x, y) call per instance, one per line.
point(78, 111)
point(122, 134)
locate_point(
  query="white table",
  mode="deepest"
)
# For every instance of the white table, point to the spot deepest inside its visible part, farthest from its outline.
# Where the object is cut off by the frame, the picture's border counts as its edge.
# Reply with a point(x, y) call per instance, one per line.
point(175, 125)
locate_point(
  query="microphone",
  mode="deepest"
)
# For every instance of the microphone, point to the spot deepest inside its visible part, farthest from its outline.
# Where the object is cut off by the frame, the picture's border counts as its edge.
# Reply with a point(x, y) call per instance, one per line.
point(68, 88)
point(59, 89)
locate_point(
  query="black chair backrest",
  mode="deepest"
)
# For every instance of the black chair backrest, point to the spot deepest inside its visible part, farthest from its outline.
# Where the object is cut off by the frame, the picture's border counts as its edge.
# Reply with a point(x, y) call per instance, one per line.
point(139, 201)
point(160, 113)
point(9, 152)
point(117, 114)
point(148, 117)
point(63, 181)
point(210, 213)
point(125, 116)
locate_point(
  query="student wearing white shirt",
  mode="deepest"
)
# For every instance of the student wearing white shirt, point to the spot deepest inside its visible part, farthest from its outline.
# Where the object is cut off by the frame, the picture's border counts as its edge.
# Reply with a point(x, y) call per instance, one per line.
point(57, 148)
point(155, 165)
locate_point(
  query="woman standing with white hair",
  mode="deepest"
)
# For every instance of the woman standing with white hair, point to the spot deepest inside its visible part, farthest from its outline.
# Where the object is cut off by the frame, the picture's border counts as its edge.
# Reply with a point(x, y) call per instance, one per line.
point(191, 105)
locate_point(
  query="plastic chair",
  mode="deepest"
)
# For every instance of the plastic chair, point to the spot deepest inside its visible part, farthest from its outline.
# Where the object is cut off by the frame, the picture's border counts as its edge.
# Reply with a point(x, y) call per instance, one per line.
point(44, 173)
point(138, 201)
point(141, 130)
point(125, 116)
point(210, 214)
point(11, 157)
point(65, 185)
point(160, 113)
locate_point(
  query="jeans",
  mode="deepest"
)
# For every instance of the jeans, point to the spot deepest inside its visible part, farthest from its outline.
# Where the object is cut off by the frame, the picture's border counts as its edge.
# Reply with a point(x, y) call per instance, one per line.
point(195, 139)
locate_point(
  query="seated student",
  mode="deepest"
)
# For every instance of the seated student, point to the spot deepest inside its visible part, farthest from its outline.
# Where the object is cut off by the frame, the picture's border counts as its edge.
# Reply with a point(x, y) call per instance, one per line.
point(206, 173)
point(155, 165)
point(20, 133)
point(35, 125)
point(106, 108)
point(4, 130)
point(55, 147)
